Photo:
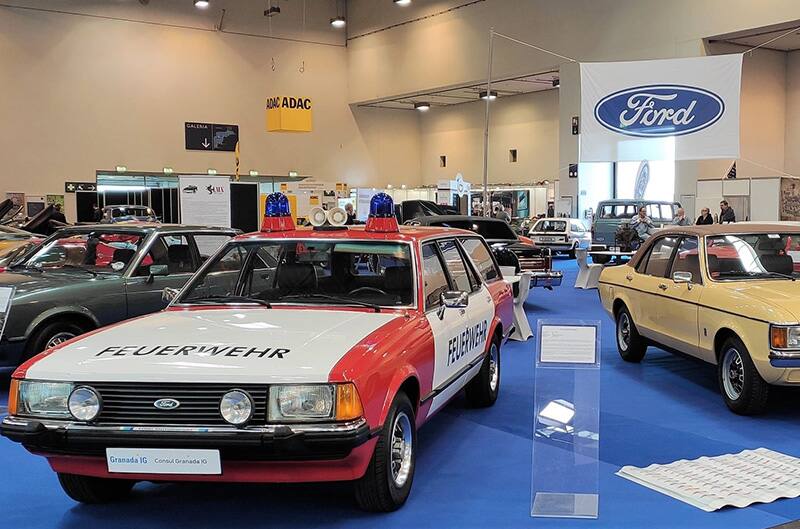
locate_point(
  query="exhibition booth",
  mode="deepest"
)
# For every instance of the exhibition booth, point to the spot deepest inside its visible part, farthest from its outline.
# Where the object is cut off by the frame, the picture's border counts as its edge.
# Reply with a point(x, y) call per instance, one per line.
point(542, 278)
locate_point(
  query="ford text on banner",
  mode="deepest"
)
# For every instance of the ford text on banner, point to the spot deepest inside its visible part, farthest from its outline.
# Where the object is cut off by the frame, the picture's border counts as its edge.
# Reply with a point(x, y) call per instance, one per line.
point(205, 200)
point(672, 109)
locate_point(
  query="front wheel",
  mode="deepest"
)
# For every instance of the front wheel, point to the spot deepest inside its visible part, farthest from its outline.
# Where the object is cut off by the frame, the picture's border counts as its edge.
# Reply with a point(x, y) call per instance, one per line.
point(482, 390)
point(52, 334)
point(387, 483)
point(743, 389)
point(86, 489)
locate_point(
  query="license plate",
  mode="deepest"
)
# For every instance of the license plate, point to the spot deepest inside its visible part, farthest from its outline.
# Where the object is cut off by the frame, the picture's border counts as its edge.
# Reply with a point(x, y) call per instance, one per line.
point(547, 239)
point(163, 461)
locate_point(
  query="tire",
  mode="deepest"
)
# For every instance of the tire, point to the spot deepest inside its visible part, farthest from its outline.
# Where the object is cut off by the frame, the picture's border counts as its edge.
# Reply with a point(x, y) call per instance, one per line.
point(483, 389)
point(85, 489)
point(385, 487)
point(742, 387)
point(601, 259)
point(52, 334)
point(571, 254)
point(630, 344)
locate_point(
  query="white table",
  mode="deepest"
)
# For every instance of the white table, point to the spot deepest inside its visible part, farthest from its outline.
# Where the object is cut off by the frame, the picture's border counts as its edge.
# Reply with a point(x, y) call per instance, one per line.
point(522, 328)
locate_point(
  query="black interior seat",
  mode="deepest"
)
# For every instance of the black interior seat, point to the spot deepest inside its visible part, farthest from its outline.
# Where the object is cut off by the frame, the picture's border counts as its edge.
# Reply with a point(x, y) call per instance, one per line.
point(297, 278)
point(123, 255)
point(179, 259)
point(781, 264)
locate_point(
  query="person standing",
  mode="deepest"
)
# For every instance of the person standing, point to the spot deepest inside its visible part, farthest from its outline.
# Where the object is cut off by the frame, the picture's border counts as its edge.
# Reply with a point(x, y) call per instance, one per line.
point(351, 214)
point(502, 214)
point(726, 213)
point(551, 210)
point(97, 213)
point(705, 217)
point(680, 218)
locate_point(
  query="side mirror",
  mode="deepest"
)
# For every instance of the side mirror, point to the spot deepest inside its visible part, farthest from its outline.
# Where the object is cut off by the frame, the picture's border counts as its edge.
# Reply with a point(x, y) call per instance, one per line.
point(682, 277)
point(452, 299)
point(157, 270)
point(168, 294)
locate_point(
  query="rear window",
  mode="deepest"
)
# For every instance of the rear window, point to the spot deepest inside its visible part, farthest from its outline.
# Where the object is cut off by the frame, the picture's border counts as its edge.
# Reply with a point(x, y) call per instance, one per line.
point(617, 211)
point(551, 225)
point(487, 229)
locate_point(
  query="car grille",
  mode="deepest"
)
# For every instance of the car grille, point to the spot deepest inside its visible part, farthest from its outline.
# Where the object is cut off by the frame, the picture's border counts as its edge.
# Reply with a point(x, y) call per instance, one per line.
point(133, 402)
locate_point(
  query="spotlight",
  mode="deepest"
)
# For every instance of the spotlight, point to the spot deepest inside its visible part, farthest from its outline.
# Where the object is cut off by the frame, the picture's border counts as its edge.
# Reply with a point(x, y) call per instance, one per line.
point(556, 82)
point(422, 106)
point(402, 2)
point(338, 22)
point(201, 4)
point(492, 95)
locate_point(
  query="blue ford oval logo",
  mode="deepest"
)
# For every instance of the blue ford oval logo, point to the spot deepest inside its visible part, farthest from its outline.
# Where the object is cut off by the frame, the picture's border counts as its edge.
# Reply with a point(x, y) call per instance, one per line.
point(659, 110)
point(166, 404)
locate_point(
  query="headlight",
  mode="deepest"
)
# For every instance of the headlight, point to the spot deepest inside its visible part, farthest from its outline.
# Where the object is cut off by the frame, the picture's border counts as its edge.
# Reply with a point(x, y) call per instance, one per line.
point(236, 407)
point(310, 402)
point(43, 399)
point(84, 403)
point(784, 337)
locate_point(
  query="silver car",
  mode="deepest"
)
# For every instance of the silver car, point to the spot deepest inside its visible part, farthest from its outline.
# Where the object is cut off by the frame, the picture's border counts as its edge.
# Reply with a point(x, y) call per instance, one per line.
point(561, 235)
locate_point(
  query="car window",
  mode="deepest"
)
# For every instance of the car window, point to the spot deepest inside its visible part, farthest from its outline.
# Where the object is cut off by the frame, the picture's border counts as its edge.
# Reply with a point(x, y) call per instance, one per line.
point(433, 276)
point(99, 251)
point(207, 244)
point(551, 225)
point(660, 255)
point(459, 272)
point(687, 259)
point(171, 250)
point(481, 258)
point(486, 228)
point(577, 227)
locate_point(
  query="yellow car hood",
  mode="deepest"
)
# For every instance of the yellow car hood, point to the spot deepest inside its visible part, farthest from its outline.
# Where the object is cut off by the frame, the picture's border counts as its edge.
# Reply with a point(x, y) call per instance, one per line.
point(780, 297)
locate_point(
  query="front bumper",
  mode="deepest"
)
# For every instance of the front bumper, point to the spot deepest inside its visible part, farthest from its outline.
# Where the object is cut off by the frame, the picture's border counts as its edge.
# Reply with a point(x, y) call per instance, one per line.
point(545, 278)
point(295, 442)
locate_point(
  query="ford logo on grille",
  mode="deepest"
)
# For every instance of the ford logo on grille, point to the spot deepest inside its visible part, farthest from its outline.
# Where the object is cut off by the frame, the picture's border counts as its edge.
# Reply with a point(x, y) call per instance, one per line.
point(166, 404)
point(659, 110)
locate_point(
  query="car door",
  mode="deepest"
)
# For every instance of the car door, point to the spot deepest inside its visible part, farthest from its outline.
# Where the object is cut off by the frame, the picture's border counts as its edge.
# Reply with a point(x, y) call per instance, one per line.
point(648, 283)
point(679, 302)
point(143, 291)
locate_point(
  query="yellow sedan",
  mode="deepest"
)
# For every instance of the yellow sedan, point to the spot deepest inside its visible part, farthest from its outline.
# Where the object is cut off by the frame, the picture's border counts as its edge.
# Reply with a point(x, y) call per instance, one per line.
point(726, 294)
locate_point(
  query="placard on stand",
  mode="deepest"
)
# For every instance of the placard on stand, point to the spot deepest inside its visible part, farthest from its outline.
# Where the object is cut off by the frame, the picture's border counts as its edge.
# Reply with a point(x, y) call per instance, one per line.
point(566, 422)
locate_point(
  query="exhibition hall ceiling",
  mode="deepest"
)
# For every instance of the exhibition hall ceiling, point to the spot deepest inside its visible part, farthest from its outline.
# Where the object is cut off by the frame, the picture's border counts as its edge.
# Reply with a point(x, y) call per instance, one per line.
point(504, 87)
point(780, 37)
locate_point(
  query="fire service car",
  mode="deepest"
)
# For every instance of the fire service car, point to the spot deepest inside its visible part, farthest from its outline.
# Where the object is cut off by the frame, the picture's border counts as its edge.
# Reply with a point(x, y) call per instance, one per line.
point(292, 355)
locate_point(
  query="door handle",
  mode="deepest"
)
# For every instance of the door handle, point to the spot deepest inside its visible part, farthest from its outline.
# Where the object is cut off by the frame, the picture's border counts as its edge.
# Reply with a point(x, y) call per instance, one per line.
point(629, 277)
point(662, 286)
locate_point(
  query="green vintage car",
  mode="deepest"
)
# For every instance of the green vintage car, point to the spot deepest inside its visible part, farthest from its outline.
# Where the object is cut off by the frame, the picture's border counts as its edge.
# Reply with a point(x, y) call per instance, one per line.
point(85, 277)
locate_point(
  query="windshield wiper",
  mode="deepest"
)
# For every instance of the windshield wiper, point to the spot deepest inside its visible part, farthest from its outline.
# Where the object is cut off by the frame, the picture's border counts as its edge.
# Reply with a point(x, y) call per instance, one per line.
point(334, 299)
point(733, 273)
point(227, 299)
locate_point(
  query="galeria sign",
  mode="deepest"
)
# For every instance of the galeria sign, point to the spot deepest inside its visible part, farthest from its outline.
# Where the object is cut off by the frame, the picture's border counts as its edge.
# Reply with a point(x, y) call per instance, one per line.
point(679, 109)
point(288, 114)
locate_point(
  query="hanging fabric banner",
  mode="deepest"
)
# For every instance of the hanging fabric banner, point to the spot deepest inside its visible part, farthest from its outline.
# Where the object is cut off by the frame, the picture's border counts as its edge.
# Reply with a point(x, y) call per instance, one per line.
point(672, 109)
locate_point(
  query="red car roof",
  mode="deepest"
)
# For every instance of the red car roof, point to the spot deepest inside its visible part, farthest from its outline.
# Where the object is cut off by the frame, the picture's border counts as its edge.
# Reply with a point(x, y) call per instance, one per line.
point(406, 233)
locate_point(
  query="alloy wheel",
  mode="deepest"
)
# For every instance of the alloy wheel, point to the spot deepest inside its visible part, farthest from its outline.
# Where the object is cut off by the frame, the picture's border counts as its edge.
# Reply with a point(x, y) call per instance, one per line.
point(624, 331)
point(401, 449)
point(494, 367)
point(733, 373)
point(58, 339)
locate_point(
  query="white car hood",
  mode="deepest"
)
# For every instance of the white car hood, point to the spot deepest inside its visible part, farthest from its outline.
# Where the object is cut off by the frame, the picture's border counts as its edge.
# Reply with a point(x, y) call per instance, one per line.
point(217, 345)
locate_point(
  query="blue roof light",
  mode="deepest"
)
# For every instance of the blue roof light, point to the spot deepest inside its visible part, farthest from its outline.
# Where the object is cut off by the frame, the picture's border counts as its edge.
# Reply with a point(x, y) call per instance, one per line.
point(381, 206)
point(277, 206)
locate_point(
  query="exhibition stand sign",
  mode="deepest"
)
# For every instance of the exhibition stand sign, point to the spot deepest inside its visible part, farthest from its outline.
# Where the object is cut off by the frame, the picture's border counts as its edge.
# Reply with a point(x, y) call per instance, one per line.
point(205, 200)
point(566, 421)
point(672, 109)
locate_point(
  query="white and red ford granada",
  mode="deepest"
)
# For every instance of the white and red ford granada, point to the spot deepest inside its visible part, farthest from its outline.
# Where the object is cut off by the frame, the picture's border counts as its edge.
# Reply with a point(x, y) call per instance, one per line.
point(292, 355)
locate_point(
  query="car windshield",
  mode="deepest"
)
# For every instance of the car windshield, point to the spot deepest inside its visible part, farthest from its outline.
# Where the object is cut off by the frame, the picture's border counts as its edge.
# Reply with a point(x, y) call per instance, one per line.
point(488, 229)
point(550, 225)
point(94, 251)
point(754, 255)
point(306, 272)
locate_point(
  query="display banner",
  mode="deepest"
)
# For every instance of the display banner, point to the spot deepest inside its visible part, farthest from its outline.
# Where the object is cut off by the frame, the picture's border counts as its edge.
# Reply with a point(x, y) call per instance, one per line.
point(672, 109)
point(205, 200)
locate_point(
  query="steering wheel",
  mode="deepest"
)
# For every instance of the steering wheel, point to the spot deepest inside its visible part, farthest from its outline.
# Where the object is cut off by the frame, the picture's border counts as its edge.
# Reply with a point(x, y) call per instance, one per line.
point(367, 289)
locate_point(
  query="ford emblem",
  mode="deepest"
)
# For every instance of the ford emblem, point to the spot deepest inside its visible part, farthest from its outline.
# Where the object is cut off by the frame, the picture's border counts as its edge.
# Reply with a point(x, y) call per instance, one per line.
point(166, 404)
point(659, 110)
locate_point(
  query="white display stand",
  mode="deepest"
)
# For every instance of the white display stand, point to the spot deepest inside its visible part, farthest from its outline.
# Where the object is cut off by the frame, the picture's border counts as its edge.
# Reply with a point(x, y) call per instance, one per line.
point(588, 274)
point(566, 422)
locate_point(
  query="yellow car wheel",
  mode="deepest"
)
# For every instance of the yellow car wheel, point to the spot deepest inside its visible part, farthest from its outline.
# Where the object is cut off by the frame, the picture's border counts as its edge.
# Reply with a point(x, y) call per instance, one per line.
point(743, 389)
point(630, 344)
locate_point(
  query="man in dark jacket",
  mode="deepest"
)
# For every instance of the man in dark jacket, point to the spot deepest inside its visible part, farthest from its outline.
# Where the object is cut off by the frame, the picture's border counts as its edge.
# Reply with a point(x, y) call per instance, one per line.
point(726, 213)
point(705, 217)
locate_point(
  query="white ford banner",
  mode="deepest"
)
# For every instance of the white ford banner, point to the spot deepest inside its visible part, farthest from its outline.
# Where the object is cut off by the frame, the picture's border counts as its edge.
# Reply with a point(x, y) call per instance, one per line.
point(672, 109)
point(205, 200)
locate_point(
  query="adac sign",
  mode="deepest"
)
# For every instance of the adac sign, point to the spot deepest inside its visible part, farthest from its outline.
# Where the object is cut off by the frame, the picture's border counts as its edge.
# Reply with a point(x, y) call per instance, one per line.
point(289, 114)
point(659, 110)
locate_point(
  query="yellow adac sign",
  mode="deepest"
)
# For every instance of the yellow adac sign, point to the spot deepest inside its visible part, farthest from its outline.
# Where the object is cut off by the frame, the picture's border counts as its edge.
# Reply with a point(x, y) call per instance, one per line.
point(288, 114)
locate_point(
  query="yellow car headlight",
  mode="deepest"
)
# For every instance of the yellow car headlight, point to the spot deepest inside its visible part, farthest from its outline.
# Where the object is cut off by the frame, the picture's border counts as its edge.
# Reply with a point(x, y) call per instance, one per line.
point(784, 337)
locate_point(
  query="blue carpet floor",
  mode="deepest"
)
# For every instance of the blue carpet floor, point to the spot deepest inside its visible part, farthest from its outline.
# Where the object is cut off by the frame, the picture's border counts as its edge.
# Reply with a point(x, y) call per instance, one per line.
point(473, 467)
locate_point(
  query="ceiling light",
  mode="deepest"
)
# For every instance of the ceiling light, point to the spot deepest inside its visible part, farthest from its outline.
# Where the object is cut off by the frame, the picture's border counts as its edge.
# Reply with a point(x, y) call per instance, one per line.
point(201, 4)
point(492, 95)
point(402, 2)
point(422, 106)
point(338, 22)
